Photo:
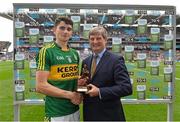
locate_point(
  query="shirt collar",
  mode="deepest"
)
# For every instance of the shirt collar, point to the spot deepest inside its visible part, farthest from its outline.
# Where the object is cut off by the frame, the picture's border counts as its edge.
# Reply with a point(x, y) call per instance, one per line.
point(101, 53)
point(60, 46)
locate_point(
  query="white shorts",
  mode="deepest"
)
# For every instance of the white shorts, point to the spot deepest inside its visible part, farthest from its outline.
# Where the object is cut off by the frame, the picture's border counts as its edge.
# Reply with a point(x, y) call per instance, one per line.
point(71, 117)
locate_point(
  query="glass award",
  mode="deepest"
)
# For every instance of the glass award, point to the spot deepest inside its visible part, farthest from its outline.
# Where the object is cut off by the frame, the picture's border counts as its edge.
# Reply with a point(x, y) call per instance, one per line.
point(19, 29)
point(141, 60)
point(19, 95)
point(168, 42)
point(141, 95)
point(87, 27)
point(142, 26)
point(48, 40)
point(167, 45)
point(129, 53)
point(154, 70)
point(84, 75)
point(33, 72)
point(129, 17)
point(141, 63)
point(19, 89)
point(61, 12)
point(19, 64)
point(167, 74)
point(32, 66)
point(76, 23)
point(33, 35)
point(19, 32)
point(128, 56)
point(154, 67)
point(19, 61)
point(155, 34)
point(141, 92)
point(116, 44)
point(33, 39)
point(168, 77)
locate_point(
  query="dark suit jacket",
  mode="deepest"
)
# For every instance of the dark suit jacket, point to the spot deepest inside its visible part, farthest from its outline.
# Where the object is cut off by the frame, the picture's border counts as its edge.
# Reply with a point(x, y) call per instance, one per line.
point(112, 78)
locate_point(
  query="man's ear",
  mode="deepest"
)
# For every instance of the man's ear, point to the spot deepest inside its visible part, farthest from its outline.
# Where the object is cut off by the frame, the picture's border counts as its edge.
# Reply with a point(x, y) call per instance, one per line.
point(106, 41)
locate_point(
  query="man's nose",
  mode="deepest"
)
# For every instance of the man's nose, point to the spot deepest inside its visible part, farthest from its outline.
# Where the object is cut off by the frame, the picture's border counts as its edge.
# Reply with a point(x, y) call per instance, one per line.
point(66, 31)
point(95, 41)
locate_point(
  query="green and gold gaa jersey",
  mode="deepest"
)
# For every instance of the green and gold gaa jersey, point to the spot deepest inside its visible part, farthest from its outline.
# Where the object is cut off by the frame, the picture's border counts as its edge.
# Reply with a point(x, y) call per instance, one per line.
point(63, 68)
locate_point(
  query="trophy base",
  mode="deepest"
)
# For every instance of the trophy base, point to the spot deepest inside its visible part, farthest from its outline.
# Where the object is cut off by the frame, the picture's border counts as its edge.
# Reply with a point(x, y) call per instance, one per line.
point(82, 89)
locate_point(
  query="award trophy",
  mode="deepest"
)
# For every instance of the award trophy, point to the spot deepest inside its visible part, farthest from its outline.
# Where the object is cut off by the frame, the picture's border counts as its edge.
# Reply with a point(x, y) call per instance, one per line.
point(85, 75)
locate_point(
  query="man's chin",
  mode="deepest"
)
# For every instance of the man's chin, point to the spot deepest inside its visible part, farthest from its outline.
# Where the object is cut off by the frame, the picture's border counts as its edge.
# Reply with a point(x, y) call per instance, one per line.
point(96, 51)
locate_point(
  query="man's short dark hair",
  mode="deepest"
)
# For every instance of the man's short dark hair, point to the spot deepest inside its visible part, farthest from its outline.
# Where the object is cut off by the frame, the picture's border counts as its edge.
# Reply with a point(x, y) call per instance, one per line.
point(64, 19)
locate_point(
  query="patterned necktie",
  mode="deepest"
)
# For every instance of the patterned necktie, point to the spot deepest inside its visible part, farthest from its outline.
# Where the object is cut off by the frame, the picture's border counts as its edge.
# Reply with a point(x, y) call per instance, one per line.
point(93, 65)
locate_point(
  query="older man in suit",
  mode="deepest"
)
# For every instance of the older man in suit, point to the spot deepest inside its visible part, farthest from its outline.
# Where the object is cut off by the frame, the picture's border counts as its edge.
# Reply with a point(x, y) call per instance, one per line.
point(108, 82)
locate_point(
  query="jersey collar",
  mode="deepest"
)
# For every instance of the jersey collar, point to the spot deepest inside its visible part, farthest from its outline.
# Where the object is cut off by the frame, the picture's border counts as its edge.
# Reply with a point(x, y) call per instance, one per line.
point(59, 46)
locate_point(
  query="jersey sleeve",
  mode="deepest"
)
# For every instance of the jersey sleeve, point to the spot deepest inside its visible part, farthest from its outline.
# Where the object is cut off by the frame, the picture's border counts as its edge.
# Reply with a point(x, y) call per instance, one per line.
point(43, 60)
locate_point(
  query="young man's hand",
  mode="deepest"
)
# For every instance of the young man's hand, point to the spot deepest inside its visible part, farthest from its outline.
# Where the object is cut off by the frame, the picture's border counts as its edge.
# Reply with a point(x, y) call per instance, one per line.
point(76, 98)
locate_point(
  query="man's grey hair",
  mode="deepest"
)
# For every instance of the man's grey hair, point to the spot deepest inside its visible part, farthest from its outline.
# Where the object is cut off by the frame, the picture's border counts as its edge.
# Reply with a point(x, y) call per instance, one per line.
point(99, 30)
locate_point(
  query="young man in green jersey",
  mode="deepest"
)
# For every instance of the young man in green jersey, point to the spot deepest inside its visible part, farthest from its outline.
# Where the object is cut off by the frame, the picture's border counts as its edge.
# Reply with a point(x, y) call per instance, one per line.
point(57, 74)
